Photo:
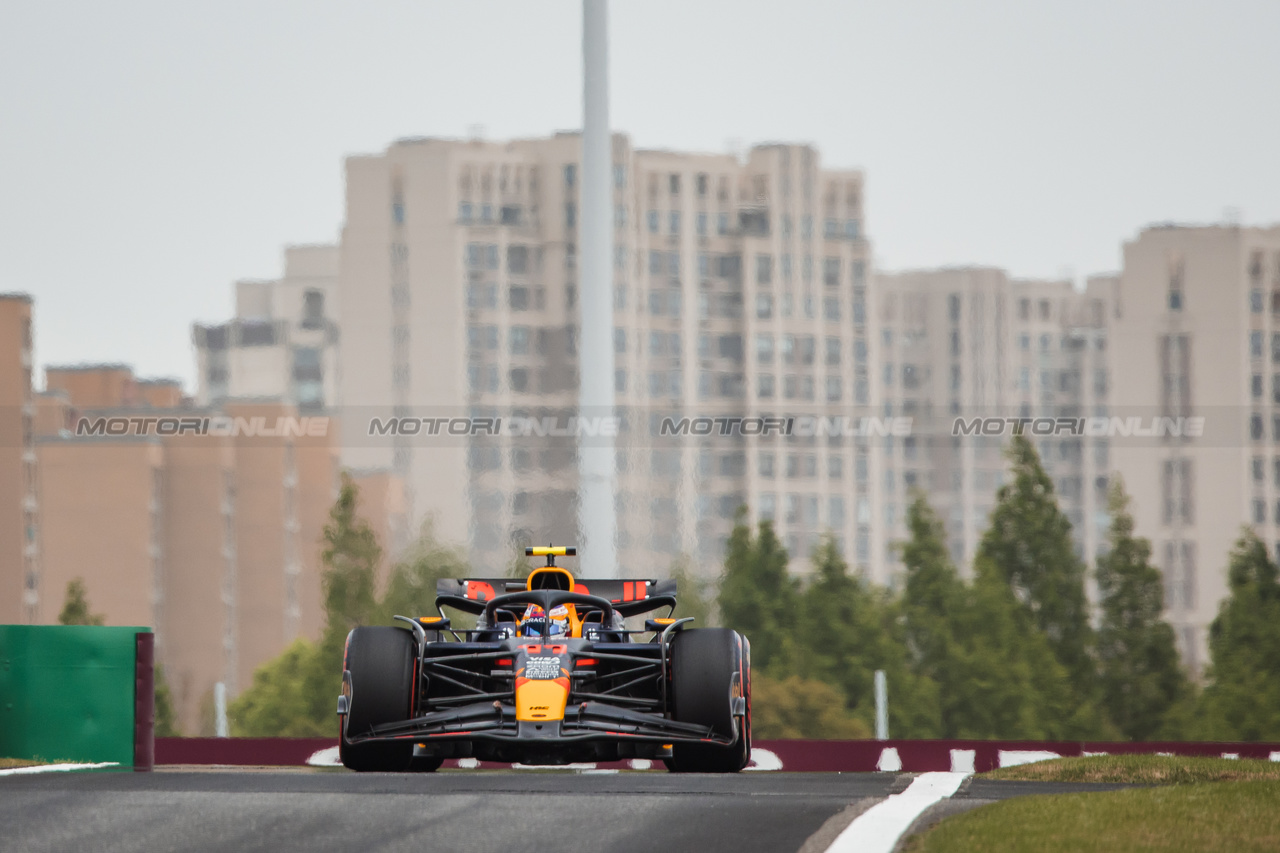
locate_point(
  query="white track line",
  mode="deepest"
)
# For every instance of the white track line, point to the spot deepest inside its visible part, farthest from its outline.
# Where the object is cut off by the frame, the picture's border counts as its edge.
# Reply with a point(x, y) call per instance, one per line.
point(55, 768)
point(878, 829)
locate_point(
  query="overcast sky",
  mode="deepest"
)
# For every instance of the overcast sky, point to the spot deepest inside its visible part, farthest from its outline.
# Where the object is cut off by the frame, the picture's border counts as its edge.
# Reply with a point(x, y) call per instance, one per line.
point(153, 152)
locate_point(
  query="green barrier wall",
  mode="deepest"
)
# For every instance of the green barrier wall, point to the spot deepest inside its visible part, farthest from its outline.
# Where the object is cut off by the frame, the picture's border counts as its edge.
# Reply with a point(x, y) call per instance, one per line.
point(67, 692)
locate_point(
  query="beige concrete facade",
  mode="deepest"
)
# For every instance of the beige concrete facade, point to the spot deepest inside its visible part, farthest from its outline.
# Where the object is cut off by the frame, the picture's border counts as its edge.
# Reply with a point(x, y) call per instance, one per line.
point(19, 501)
point(104, 523)
point(740, 288)
point(282, 343)
point(215, 540)
point(200, 626)
point(1198, 335)
point(973, 343)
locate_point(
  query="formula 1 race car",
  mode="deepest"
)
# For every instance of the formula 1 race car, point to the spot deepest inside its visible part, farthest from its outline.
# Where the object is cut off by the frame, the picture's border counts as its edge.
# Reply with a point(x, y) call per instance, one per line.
point(550, 675)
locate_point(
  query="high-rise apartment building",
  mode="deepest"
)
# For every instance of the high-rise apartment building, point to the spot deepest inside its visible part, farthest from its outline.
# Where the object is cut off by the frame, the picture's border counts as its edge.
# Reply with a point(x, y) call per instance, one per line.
point(741, 288)
point(281, 345)
point(19, 504)
point(214, 537)
point(971, 343)
point(1197, 335)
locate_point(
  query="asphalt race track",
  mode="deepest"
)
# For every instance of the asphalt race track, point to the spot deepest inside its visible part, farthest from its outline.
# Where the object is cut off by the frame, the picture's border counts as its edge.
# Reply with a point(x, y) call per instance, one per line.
point(454, 811)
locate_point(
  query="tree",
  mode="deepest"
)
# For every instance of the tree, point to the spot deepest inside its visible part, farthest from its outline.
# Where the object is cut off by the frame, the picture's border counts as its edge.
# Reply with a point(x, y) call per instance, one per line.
point(757, 595)
point(1242, 699)
point(848, 630)
point(411, 589)
point(796, 707)
point(282, 699)
point(351, 557)
point(1029, 546)
point(75, 607)
point(1007, 682)
point(1140, 676)
point(995, 672)
point(933, 598)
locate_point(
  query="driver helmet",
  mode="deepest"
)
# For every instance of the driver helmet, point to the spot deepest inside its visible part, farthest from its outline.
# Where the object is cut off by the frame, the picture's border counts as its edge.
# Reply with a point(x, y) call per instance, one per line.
point(536, 622)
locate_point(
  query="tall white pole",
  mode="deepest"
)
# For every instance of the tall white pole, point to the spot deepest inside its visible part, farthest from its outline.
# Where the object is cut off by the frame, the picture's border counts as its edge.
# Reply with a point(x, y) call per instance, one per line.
point(882, 706)
point(220, 728)
point(596, 466)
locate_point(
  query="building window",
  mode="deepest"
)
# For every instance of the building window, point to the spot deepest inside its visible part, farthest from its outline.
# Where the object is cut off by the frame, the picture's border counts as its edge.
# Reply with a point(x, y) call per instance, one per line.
point(1175, 368)
point(764, 269)
point(765, 385)
point(953, 307)
point(764, 349)
point(570, 174)
point(1175, 286)
point(674, 221)
point(619, 176)
point(1178, 490)
point(313, 309)
point(831, 271)
point(517, 259)
point(766, 462)
point(764, 306)
point(519, 339)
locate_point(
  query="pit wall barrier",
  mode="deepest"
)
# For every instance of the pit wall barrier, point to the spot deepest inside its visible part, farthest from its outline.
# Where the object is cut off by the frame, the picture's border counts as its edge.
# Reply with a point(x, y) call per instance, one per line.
point(78, 693)
point(848, 756)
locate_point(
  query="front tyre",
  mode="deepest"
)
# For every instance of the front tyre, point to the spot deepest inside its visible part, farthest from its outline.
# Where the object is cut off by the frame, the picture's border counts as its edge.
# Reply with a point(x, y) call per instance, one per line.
point(710, 668)
point(380, 662)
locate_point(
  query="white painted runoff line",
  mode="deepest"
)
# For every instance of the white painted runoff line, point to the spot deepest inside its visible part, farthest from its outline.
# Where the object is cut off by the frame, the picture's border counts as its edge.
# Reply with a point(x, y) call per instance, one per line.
point(878, 829)
point(55, 768)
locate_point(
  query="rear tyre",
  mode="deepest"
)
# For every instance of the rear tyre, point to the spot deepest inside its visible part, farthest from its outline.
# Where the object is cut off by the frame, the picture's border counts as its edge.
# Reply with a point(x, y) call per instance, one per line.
point(706, 663)
point(380, 662)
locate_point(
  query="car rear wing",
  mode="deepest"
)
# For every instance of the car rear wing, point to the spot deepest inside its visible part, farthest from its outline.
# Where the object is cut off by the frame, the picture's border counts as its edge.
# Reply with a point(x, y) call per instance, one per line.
point(629, 597)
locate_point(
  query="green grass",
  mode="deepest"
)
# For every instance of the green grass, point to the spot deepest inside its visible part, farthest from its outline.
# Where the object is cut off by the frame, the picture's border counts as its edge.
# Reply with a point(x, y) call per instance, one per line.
point(10, 763)
point(1235, 816)
point(1140, 770)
